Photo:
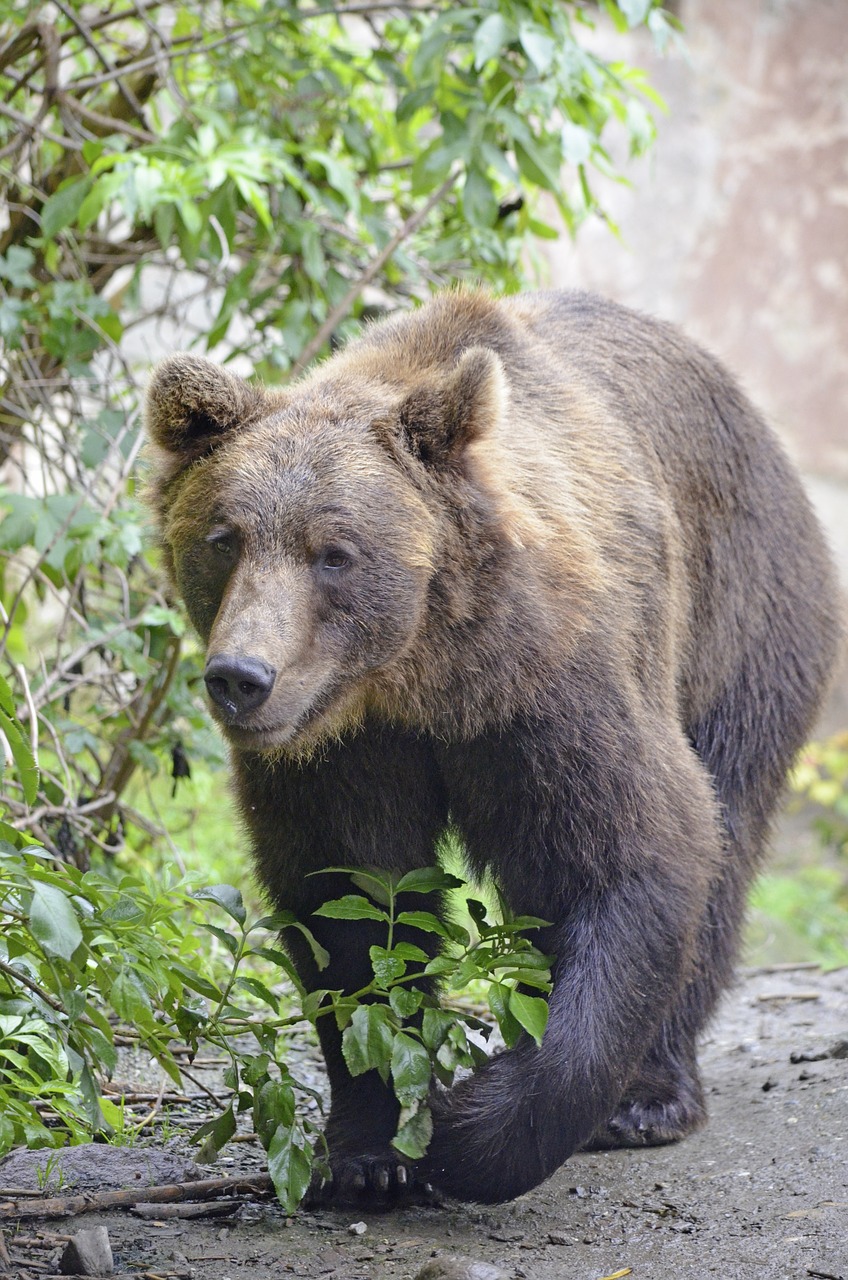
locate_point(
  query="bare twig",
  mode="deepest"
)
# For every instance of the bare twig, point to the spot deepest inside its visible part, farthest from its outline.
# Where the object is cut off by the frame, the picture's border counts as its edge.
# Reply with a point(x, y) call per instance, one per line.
point(61, 139)
point(27, 982)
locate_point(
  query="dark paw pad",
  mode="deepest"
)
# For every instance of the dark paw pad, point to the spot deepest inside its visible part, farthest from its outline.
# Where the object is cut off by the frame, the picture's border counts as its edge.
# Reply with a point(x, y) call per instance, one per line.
point(369, 1182)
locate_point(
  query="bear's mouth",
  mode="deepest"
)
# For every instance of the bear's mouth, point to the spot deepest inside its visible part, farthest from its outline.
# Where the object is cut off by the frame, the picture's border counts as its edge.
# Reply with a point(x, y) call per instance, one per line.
point(264, 739)
point(291, 731)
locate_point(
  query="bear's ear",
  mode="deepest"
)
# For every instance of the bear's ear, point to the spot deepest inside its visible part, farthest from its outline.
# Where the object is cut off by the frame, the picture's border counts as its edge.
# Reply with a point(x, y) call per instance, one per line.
point(192, 404)
point(439, 422)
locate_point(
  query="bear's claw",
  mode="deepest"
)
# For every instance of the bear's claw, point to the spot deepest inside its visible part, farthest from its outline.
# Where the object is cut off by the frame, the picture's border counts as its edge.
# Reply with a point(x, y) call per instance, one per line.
point(372, 1182)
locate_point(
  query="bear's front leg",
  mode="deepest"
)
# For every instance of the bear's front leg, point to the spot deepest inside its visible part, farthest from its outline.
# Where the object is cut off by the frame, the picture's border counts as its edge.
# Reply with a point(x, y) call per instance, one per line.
point(376, 800)
point(615, 839)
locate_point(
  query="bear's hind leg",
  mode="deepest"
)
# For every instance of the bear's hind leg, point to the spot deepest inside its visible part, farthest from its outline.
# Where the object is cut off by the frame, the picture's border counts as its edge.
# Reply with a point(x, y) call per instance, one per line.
point(747, 745)
point(663, 1103)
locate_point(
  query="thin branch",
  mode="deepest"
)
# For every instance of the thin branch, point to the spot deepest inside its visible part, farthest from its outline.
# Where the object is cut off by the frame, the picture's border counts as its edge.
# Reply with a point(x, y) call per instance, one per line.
point(341, 310)
point(27, 982)
point(124, 90)
point(106, 123)
point(60, 139)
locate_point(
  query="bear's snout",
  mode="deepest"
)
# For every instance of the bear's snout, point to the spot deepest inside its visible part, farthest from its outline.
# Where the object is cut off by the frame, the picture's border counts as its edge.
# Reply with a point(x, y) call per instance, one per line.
point(238, 684)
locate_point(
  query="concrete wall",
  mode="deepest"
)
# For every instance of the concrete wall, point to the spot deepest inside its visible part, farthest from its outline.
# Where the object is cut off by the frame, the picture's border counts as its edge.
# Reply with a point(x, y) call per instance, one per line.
point(737, 225)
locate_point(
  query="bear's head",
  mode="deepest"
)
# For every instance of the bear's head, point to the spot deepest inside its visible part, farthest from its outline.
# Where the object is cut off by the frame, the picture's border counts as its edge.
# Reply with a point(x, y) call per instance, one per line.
point(304, 528)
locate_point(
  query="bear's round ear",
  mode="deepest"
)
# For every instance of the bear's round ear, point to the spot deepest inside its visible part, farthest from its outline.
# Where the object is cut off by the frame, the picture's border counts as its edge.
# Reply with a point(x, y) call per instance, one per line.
point(192, 404)
point(440, 420)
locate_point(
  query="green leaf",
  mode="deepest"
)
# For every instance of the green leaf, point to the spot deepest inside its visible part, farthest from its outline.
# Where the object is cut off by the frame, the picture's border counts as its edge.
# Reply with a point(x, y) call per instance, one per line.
point(414, 101)
point(22, 755)
point(378, 885)
point(428, 880)
point(413, 1136)
point(290, 1166)
point(498, 997)
point(351, 907)
point(635, 11)
point(130, 999)
point(386, 965)
point(53, 921)
point(490, 37)
point(282, 961)
point(62, 207)
point(124, 910)
point(367, 1040)
point(410, 1069)
point(226, 896)
point(258, 989)
point(274, 923)
point(15, 267)
point(539, 163)
point(538, 46)
point(340, 177)
point(435, 1027)
point(217, 1134)
point(405, 1001)
point(424, 920)
point(319, 954)
point(531, 1012)
point(577, 143)
point(409, 951)
point(273, 1104)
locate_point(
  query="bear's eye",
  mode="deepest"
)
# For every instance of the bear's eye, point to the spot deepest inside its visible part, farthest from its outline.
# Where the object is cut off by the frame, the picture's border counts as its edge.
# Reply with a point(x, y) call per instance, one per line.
point(334, 558)
point(223, 541)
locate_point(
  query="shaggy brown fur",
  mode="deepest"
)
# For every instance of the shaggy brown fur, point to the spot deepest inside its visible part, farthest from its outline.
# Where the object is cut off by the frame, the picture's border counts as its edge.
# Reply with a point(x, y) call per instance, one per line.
point(535, 567)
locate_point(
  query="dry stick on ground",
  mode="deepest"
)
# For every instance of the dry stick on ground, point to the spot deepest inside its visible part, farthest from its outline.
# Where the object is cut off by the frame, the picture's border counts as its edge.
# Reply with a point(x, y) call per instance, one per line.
point(69, 1206)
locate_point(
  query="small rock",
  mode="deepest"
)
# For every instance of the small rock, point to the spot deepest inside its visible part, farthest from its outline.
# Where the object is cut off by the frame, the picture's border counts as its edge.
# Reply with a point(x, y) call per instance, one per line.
point(88, 1253)
point(839, 1050)
point(95, 1166)
point(452, 1267)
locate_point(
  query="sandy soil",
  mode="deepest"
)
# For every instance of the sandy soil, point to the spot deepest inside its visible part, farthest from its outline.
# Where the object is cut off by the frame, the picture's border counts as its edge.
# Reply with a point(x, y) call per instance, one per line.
point(762, 1192)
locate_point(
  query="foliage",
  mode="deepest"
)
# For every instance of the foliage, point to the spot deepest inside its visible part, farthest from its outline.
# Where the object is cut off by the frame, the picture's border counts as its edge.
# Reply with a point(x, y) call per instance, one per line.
point(392, 1025)
point(821, 777)
point(78, 946)
point(809, 907)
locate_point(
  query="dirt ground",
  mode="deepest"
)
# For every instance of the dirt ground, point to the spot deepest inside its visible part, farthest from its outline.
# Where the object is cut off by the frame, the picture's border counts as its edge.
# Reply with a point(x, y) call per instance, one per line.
point(762, 1192)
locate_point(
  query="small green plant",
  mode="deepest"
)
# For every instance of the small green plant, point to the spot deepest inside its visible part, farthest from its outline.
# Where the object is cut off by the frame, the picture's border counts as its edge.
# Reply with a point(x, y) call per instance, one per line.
point(395, 1024)
point(85, 954)
point(50, 1172)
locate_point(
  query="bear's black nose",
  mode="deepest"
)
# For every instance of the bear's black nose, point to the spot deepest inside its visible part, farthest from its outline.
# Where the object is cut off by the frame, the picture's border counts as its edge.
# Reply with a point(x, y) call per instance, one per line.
point(238, 685)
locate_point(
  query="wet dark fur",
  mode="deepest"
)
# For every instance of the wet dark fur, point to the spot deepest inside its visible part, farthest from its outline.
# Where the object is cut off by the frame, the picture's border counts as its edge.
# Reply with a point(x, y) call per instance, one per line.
point(589, 621)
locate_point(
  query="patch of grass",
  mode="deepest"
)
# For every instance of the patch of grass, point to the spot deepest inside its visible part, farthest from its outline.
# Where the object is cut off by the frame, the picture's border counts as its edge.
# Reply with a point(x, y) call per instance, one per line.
point(798, 917)
point(204, 833)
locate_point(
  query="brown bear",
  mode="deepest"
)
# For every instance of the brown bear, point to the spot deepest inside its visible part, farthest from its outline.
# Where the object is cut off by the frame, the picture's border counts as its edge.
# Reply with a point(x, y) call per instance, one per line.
point(536, 568)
